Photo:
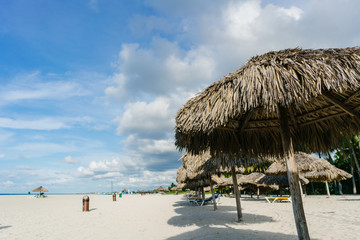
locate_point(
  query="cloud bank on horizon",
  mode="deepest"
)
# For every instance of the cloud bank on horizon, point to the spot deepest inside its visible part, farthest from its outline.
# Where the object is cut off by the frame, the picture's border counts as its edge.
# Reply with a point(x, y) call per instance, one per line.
point(90, 89)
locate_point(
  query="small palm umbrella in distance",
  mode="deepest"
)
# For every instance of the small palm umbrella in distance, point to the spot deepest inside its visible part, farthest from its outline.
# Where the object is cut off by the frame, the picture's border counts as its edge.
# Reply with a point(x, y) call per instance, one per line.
point(40, 189)
point(276, 103)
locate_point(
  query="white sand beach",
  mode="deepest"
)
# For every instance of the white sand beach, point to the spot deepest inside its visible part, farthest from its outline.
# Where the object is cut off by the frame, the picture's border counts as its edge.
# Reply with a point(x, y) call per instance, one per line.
point(170, 217)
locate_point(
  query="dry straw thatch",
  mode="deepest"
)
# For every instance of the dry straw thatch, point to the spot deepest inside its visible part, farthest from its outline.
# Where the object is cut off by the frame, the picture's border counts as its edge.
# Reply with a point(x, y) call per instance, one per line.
point(328, 175)
point(304, 162)
point(40, 189)
point(161, 189)
point(280, 181)
point(239, 113)
point(204, 165)
point(221, 181)
point(310, 167)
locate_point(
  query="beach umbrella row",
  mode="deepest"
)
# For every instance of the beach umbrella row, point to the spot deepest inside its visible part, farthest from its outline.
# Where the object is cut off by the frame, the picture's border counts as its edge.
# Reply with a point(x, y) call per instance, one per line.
point(278, 102)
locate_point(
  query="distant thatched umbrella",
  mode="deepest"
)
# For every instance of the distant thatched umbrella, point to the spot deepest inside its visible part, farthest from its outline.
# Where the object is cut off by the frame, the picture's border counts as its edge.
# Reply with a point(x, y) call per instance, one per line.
point(304, 163)
point(250, 181)
point(161, 189)
point(222, 181)
point(40, 189)
point(276, 103)
point(332, 174)
point(279, 181)
point(313, 168)
point(203, 165)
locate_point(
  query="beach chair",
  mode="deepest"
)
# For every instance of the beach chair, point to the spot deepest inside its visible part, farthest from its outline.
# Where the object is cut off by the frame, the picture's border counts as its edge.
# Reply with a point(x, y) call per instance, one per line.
point(201, 202)
point(278, 199)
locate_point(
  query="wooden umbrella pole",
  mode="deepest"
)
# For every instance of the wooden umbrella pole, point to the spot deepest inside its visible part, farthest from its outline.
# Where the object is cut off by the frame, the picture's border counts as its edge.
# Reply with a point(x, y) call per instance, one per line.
point(293, 176)
point(327, 189)
point(353, 177)
point(213, 195)
point(237, 194)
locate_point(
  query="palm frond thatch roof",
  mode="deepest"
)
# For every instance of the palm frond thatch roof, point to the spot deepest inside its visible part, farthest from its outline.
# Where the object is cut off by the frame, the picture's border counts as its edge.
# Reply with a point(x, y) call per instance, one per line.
point(313, 168)
point(222, 181)
point(304, 162)
point(239, 113)
point(204, 165)
point(251, 178)
point(281, 181)
point(328, 175)
point(40, 189)
point(181, 175)
point(161, 189)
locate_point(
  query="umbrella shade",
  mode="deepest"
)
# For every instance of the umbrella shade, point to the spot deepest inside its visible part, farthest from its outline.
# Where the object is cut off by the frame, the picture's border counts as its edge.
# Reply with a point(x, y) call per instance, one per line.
point(240, 113)
point(40, 189)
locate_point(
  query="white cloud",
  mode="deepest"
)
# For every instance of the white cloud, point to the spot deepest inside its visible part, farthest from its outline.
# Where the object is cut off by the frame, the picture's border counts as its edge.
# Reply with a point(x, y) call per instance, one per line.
point(70, 160)
point(142, 116)
point(38, 124)
point(162, 69)
point(8, 183)
point(27, 168)
point(33, 87)
point(150, 146)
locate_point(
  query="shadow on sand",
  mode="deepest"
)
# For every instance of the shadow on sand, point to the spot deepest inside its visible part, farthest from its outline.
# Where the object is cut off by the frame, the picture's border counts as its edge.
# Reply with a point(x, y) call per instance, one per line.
point(217, 233)
point(4, 227)
point(220, 224)
point(349, 200)
point(206, 216)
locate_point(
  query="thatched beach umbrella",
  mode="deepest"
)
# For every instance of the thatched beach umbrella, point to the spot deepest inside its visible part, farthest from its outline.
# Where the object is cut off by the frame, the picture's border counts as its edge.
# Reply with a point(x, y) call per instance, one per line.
point(276, 103)
point(40, 189)
point(222, 181)
point(304, 163)
point(279, 181)
point(327, 175)
point(313, 168)
point(161, 189)
point(204, 166)
point(250, 181)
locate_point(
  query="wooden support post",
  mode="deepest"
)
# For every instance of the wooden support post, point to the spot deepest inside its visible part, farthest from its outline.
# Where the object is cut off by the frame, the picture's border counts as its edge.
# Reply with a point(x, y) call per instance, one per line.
point(293, 176)
point(354, 156)
point(305, 192)
point(340, 187)
point(213, 194)
point(353, 177)
point(237, 194)
point(301, 190)
point(202, 193)
point(327, 189)
point(258, 192)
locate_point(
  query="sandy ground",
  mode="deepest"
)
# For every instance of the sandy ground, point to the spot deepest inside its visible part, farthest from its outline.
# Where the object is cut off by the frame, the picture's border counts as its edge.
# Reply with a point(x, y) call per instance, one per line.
point(170, 217)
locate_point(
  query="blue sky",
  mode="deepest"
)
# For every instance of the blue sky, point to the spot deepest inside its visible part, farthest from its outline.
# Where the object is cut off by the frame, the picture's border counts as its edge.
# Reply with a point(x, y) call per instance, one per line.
point(89, 89)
